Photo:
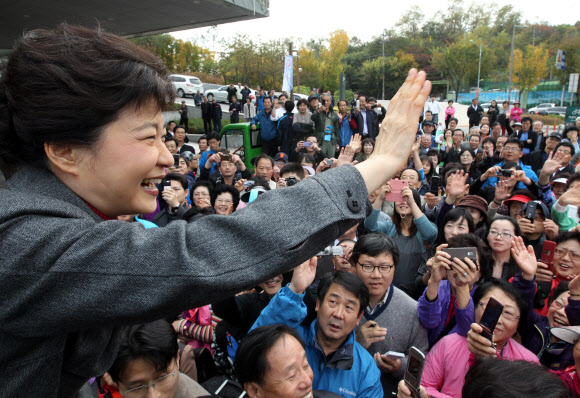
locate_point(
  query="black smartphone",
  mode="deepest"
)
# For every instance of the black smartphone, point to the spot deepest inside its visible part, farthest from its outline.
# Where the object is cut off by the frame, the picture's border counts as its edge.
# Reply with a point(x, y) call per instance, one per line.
point(414, 371)
point(166, 185)
point(175, 161)
point(435, 182)
point(461, 252)
point(505, 172)
point(490, 316)
point(531, 211)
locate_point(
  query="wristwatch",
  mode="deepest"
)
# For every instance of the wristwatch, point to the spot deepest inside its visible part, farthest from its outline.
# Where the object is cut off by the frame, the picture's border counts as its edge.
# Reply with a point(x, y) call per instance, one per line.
point(174, 209)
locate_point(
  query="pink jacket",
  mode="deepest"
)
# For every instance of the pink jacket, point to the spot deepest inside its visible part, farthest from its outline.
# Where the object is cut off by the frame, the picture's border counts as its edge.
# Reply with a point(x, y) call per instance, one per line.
point(516, 114)
point(450, 111)
point(447, 364)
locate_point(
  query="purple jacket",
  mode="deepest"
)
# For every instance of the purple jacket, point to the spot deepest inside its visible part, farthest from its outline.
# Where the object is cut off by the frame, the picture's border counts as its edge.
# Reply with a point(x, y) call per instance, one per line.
point(536, 335)
point(433, 316)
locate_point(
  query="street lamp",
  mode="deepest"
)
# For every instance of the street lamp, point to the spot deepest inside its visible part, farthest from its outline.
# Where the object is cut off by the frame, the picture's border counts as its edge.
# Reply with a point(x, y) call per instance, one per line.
point(478, 68)
point(383, 36)
point(298, 69)
point(512, 59)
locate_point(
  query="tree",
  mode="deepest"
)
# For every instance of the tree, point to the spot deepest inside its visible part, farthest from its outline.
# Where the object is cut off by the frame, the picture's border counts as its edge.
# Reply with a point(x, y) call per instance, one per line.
point(530, 68)
point(455, 62)
point(410, 22)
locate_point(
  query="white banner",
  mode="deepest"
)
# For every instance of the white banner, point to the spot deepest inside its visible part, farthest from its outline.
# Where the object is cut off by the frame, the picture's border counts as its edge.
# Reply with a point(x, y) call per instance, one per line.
point(573, 84)
point(561, 60)
point(288, 82)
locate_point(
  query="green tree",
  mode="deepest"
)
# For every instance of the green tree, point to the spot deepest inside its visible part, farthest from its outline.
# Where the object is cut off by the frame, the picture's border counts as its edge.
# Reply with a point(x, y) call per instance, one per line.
point(455, 62)
point(529, 68)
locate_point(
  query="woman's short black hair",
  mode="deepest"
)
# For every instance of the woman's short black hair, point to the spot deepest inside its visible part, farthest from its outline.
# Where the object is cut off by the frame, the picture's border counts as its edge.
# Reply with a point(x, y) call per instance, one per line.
point(65, 85)
point(571, 127)
point(454, 215)
point(306, 158)
point(397, 218)
point(570, 179)
point(222, 188)
point(251, 362)
point(494, 378)
point(154, 342)
point(373, 245)
point(367, 140)
point(490, 139)
point(302, 101)
point(177, 177)
point(511, 291)
point(350, 282)
point(201, 183)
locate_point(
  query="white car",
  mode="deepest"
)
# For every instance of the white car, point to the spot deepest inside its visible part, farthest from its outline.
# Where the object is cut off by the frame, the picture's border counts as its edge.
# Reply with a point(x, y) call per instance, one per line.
point(541, 107)
point(221, 94)
point(186, 85)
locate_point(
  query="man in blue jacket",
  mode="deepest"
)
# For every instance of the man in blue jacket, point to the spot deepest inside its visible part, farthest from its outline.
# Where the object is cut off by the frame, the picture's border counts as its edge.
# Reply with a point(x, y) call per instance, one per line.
point(340, 364)
point(512, 152)
point(267, 128)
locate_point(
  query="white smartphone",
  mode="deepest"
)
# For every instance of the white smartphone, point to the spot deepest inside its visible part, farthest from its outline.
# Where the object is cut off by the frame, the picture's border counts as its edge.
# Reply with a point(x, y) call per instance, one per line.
point(395, 355)
point(358, 104)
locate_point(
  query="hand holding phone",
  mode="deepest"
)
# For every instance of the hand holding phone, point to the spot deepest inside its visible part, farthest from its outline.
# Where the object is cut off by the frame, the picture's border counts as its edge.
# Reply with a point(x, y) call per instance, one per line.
point(531, 211)
point(414, 371)
point(307, 144)
point(461, 253)
point(490, 317)
point(396, 188)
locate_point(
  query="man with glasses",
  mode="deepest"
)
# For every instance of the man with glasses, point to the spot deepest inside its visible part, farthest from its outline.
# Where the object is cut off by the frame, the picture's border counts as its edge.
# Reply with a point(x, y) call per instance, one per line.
point(537, 159)
point(230, 170)
point(390, 321)
point(512, 152)
point(147, 364)
point(526, 135)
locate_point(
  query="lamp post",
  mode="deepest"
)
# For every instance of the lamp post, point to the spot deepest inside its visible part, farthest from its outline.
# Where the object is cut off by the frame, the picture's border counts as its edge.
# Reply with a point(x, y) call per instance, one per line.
point(512, 59)
point(383, 36)
point(478, 68)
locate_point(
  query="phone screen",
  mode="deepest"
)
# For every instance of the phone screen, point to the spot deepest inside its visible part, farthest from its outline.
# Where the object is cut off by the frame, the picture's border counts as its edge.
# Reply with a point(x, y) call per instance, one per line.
point(490, 316)
point(414, 371)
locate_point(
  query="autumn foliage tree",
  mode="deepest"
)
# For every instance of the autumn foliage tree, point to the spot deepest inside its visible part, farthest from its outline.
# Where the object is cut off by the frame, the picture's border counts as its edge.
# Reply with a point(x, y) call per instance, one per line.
point(529, 68)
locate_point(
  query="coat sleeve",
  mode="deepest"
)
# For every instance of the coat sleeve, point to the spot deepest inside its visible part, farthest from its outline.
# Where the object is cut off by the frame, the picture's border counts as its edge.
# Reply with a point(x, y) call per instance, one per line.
point(426, 228)
point(434, 370)
point(373, 224)
point(286, 307)
point(418, 339)
point(74, 273)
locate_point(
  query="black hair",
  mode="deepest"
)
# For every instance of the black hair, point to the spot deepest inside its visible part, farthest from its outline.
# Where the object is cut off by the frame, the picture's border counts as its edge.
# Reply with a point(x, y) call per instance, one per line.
point(65, 85)
point(426, 112)
point(567, 235)
point(517, 141)
point(251, 365)
point(367, 141)
point(214, 135)
point(177, 177)
point(572, 127)
point(339, 101)
point(428, 175)
point(302, 101)
point(306, 157)
point(397, 220)
point(449, 169)
point(351, 282)
point(181, 126)
point(169, 138)
point(511, 291)
point(182, 156)
point(567, 145)
point(490, 139)
point(483, 253)
point(169, 122)
point(200, 183)
point(263, 156)
point(267, 97)
point(223, 188)
point(292, 167)
point(289, 106)
point(527, 119)
point(494, 378)
point(511, 165)
point(195, 213)
point(432, 152)
point(154, 342)
point(373, 245)
point(203, 137)
point(512, 266)
point(474, 135)
point(562, 287)
point(571, 179)
point(363, 95)
point(453, 215)
point(414, 170)
point(461, 131)
point(454, 119)
point(495, 124)
point(449, 101)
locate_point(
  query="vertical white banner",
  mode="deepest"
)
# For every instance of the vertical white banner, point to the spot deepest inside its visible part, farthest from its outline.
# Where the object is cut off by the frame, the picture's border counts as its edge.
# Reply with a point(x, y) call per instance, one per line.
point(288, 82)
point(561, 60)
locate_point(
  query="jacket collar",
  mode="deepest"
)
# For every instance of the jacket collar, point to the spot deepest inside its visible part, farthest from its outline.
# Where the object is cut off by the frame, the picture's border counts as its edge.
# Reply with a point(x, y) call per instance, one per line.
point(40, 182)
point(341, 358)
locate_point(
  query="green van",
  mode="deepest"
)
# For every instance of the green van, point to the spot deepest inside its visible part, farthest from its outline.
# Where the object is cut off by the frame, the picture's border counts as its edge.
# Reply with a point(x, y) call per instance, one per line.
point(241, 140)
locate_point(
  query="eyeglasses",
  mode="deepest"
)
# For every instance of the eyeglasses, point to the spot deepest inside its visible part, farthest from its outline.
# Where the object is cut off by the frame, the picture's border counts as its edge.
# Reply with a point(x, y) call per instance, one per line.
point(511, 149)
point(561, 252)
point(507, 314)
point(162, 383)
point(504, 235)
point(564, 151)
point(409, 178)
point(223, 202)
point(201, 195)
point(369, 269)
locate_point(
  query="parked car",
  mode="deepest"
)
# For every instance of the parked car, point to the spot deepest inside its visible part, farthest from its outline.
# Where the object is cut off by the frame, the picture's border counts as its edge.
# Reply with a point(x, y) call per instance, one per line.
point(186, 85)
point(221, 95)
point(537, 109)
point(556, 110)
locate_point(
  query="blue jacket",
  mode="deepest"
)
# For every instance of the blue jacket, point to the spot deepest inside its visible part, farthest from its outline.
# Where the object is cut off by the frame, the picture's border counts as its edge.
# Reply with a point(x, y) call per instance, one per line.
point(344, 131)
point(527, 169)
point(203, 159)
point(260, 102)
point(268, 128)
point(351, 371)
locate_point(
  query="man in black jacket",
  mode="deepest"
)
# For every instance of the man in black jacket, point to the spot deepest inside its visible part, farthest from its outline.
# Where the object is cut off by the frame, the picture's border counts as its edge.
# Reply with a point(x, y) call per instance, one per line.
point(175, 198)
point(231, 92)
point(474, 113)
point(246, 92)
point(206, 114)
point(366, 119)
point(537, 159)
point(528, 136)
point(216, 115)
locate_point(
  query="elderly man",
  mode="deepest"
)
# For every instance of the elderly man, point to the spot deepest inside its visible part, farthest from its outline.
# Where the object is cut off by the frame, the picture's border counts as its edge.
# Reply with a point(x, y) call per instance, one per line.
point(537, 159)
point(326, 127)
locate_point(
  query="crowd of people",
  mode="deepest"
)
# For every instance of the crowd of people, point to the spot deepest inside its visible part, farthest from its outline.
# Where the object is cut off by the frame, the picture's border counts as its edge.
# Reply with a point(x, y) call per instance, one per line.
point(134, 266)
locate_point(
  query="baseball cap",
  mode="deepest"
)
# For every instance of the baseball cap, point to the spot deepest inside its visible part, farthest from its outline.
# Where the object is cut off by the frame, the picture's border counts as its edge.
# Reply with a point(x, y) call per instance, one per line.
point(428, 123)
point(281, 156)
point(555, 134)
point(541, 205)
point(517, 124)
point(561, 180)
point(517, 198)
point(568, 334)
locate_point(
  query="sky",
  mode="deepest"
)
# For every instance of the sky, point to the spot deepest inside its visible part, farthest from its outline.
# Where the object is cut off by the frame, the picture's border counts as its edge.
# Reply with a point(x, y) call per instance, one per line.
point(306, 19)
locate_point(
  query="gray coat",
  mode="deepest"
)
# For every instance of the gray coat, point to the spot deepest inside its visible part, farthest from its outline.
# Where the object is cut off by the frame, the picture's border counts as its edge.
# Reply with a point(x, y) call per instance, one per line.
point(70, 282)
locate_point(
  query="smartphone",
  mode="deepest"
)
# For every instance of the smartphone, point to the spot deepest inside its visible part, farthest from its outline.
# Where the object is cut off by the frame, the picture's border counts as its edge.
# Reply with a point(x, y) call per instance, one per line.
point(414, 371)
point(395, 354)
point(249, 184)
point(227, 158)
point(332, 251)
point(307, 144)
point(435, 182)
point(490, 316)
point(166, 185)
point(461, 252)
point(176, 161)
point(531, 210)
point(395, 194)
point(505, 172)
point(548, 250)
point(357, 104)
point(329, 162)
